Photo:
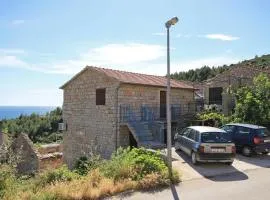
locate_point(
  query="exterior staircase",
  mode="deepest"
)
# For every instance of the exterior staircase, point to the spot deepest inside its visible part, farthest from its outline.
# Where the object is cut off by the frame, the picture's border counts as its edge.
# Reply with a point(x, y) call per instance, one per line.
point(145, 124)
point(144, 136)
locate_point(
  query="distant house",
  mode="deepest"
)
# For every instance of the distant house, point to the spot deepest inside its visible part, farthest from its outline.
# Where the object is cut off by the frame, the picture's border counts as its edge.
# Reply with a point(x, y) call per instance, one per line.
point(217, 89)
point(104, 109)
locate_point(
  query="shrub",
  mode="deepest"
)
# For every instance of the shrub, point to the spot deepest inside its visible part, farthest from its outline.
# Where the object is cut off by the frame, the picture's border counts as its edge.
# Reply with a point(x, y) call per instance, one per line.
point(128, 169)
point(84, 164)
point(133, 163)
point(214, 118)
point(252, 102)
point(7, 179)
point(62, 174)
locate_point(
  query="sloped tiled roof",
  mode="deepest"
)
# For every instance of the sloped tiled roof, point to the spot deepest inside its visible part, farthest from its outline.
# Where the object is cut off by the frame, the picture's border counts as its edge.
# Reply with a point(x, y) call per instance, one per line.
point(136, 78)
point(241, 71)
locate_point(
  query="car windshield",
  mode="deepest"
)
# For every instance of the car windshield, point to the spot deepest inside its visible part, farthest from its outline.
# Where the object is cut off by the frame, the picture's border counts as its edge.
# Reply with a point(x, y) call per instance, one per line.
point(263, 132)
point(215, 137)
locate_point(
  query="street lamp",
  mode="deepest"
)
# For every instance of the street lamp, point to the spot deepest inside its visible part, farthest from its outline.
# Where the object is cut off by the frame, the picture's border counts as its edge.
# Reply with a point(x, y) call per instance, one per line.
point(168, 24)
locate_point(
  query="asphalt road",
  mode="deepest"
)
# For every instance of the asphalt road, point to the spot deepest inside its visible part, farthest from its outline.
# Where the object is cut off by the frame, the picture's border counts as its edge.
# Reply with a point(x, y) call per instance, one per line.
point(252, 185)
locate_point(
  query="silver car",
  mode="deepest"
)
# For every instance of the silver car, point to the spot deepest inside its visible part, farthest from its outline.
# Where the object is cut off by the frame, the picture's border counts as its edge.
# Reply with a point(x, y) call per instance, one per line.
point(206, 144)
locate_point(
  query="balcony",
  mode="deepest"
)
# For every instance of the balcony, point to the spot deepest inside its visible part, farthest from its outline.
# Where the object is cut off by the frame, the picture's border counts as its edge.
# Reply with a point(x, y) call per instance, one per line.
point(148, 113)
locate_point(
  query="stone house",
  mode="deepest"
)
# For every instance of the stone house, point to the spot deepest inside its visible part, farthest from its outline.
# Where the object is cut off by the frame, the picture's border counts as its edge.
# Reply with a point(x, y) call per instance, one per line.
point(104, 109)
point(217, 90)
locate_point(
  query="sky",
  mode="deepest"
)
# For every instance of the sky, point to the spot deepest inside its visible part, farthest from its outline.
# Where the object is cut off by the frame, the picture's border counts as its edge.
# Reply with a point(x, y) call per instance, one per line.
point(44, 43)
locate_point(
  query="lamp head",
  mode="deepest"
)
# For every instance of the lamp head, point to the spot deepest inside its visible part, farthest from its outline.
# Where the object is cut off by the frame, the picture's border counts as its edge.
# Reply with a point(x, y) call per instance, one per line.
point(172, 21)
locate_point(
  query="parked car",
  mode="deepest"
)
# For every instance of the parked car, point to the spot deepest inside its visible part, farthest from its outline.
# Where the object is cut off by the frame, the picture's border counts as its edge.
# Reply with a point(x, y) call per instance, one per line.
point(206, 144)
point(249, 138)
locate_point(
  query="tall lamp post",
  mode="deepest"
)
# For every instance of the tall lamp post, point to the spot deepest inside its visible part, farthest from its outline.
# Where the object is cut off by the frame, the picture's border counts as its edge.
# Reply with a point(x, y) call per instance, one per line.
point(168, 24)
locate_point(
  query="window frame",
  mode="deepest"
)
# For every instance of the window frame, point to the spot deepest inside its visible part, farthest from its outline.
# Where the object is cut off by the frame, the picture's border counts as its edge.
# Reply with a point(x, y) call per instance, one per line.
point(100, 96)
point(243, 133)
point(192, 131)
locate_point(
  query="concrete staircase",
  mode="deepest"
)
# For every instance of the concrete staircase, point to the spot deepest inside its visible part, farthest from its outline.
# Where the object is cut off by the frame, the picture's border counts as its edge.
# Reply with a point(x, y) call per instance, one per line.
point(143, 135)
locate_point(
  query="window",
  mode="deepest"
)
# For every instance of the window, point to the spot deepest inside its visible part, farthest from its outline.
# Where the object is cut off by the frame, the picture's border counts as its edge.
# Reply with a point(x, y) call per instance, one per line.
point(262, 132)
point(100, 96)
point(185, 132)
point(228, 129)
point(191, 135)
point(197, 137)
point(243, 130)
point(215, 95)
point(215, 137)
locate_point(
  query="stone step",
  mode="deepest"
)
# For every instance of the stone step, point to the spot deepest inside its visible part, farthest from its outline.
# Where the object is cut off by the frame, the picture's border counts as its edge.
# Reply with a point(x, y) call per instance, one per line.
point(152, 145)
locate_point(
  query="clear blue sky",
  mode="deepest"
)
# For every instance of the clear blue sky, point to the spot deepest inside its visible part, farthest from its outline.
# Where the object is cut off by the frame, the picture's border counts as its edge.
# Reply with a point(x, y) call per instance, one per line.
point(44, 43)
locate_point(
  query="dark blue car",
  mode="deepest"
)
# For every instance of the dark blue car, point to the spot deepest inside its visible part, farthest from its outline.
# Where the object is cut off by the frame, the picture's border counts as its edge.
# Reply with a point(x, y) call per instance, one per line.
point(249, 138)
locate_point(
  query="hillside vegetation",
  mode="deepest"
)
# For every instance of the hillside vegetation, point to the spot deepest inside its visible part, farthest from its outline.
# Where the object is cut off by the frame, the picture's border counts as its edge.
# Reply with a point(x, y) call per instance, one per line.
point(94, 178)
point(39, 128)
point(206, 72)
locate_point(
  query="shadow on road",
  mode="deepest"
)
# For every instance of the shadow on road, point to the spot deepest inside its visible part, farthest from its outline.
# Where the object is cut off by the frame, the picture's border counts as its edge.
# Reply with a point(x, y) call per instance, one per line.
point(153, 191)
point(257, 159)
point(214, 171)
point(174, 192)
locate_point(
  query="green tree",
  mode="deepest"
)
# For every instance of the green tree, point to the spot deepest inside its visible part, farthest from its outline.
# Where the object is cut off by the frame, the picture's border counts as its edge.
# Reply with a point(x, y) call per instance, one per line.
point(40, 128)
point(253, 102)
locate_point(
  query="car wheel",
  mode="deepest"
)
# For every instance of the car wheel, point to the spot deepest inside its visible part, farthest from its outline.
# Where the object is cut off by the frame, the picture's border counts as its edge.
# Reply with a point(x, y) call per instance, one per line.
point(247, 151)
point(177, 148)
point(194, 158)
point(229, 163)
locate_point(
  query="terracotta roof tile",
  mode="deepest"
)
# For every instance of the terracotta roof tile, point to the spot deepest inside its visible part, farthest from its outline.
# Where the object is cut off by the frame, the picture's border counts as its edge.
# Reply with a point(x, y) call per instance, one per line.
point(142, 79)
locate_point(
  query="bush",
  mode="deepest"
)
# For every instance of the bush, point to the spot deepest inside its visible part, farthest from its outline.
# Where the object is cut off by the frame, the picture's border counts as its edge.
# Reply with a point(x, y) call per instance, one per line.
point(133, 163)
point(62, 174)
point(214, 118)
point(128, 169)
point(84, 164)
point(253, 105)
point(40, 128)
point(7, 179)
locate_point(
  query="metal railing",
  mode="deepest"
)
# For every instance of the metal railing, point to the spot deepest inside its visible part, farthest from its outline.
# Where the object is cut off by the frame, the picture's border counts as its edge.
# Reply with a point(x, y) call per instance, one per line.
point(130, 113)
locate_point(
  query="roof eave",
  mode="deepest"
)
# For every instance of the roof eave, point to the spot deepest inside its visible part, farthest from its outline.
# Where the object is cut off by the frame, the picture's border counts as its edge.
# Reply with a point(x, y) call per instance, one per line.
point(163, 86)
point(74, 77)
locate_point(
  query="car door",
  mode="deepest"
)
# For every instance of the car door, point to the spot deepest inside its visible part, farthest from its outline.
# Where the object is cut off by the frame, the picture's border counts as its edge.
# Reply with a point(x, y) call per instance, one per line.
point(230, 130)
point(190, 141)
point(178, 140)
point(241, 136)
point(183, 140)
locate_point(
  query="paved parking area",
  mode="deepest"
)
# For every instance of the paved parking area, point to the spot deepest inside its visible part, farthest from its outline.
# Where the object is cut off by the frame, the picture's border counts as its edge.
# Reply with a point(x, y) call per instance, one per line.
point(209, 170)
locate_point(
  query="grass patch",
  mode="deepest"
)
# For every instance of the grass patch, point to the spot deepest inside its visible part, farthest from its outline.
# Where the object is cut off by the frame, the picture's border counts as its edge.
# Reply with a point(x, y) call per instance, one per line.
point(128, 169)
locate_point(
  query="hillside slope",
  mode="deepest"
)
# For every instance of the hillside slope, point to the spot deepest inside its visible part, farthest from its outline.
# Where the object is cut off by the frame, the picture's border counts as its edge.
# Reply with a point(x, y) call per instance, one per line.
point(206, 72)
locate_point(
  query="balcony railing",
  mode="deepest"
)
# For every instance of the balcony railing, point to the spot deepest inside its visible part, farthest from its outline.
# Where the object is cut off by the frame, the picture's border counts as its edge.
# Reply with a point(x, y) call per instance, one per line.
point(129, 113)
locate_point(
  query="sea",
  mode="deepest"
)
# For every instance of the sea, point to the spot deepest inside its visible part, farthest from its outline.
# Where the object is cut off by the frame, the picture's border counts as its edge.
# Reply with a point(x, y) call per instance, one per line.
point(12, 112)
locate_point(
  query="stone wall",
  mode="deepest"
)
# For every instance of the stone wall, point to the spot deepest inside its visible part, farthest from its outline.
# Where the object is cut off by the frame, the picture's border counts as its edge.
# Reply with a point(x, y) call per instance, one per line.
point(22, 152)
point(123, 136)
point(137, 95)
point(50, 148)
point(91, 128)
